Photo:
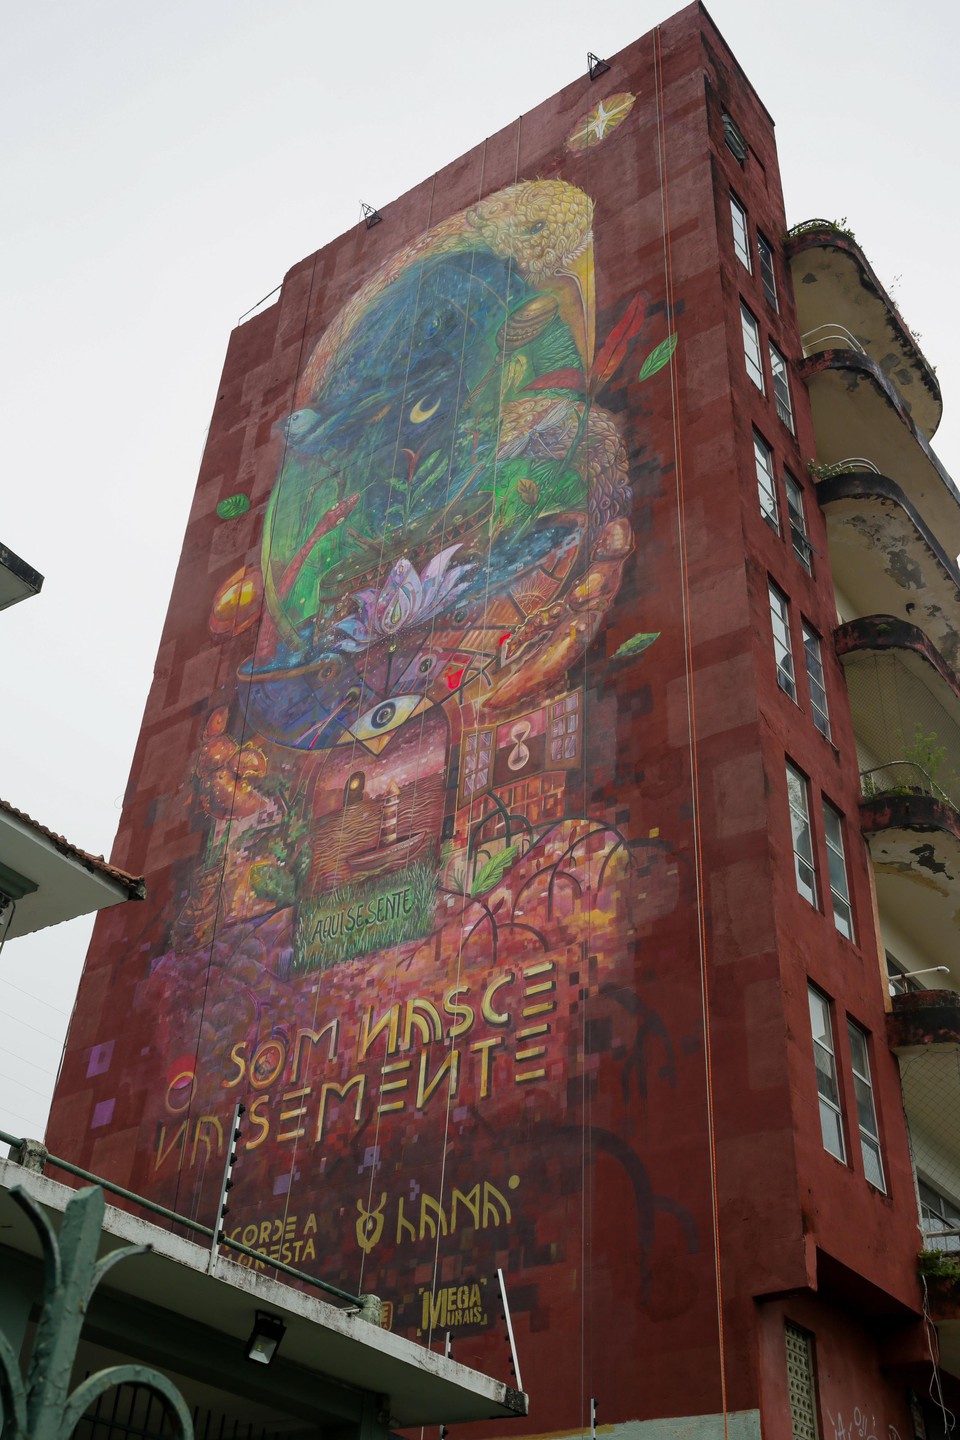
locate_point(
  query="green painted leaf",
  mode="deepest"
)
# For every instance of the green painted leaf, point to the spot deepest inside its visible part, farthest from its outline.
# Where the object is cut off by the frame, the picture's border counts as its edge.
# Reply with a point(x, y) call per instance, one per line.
point(636, 644)
point(233, 506)
point(492, 871)
point(658, 358)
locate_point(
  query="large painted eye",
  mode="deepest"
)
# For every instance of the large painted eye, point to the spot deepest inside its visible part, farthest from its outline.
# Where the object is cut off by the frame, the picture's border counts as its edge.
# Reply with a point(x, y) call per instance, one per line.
point(536, 226)
point(381, 717)
point(385, 717)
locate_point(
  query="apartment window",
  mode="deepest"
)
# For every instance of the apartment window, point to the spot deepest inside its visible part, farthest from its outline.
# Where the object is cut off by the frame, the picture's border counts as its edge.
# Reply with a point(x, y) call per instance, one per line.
point(815, 679)
point(766, 484)
point(797, 792)
point(741, 238)
point(798, 521)
point(780, 623)
point(768, 278)
point(781, 387)
point(801, 1383)
point(751, 347)
point(733, 136)
point(866, 1109)
point(825, 1059)
point(938, 1213)
point(839, 890)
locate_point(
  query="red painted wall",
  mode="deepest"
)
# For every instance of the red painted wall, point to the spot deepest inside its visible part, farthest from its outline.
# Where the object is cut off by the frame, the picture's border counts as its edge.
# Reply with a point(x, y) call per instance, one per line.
point(665, 1119)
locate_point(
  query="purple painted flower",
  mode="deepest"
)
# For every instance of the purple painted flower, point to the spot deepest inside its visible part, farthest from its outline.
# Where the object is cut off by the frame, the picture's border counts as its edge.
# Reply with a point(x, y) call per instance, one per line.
point(405, 599)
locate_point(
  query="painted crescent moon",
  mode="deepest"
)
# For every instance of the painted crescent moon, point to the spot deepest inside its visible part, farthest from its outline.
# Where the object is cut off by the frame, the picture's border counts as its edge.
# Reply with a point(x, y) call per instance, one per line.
point(418, 414)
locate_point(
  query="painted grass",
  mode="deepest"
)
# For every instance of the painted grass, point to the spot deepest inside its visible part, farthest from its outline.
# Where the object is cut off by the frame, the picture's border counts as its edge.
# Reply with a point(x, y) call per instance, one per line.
point(357, 919)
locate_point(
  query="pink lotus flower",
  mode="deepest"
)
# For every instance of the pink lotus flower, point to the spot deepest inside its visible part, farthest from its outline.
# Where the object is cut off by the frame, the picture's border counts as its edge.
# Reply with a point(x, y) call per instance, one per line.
point(406, 599)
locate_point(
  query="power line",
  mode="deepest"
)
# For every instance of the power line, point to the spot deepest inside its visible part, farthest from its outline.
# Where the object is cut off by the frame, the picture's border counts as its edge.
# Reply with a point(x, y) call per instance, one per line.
point(31, 995)
point(44, 1094)
point(47, 1036)
point(24, 1061)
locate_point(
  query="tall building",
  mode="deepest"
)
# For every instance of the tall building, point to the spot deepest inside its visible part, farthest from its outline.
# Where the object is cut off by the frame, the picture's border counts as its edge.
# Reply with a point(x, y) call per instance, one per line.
point(526, 843)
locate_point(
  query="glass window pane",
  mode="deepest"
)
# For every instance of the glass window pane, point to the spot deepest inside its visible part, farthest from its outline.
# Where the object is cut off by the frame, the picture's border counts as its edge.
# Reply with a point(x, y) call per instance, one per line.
point(831, 1128)
point(798, 523)
point(751, 347)
point(873, 1165)
point(766, 484)
point(783, 654)
point(781, 387)
point(866, 1109)
point(768, 277)
point(741, 240)
point(802, 840)
point(840, 894)
point(831, 1116)
point(815, 681)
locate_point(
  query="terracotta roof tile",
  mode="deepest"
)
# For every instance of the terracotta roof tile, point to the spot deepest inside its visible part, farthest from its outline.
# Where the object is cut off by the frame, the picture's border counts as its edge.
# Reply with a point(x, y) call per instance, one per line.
point(133, 884)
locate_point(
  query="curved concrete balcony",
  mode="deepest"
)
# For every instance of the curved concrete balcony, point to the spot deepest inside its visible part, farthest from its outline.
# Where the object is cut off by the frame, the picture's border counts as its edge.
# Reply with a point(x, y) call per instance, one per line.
point(857, 411)
point(838, 293)
point(913, 834)
point(885, 558)
point(925, 1019)
point(904, 701)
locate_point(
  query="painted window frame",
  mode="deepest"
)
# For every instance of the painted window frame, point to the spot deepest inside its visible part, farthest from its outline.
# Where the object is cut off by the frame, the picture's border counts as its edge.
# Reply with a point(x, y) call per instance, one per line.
point(750, 331)
point(829, 1100)
point(837, 869)
point(766, 481)
point(816, 679)
point(741, 233)
point(867, 1123)
point(768, 274)
point(804, 859)
point(782, 648)
point(781, 386)
point(798, 521)
point(734, 138)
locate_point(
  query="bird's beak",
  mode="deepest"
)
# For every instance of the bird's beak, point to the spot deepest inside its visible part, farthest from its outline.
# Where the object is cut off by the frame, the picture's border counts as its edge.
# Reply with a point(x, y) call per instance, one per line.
point(582, 319)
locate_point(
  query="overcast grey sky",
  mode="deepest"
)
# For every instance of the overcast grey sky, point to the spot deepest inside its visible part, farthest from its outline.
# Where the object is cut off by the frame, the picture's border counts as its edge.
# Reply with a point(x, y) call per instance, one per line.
point(162, 167)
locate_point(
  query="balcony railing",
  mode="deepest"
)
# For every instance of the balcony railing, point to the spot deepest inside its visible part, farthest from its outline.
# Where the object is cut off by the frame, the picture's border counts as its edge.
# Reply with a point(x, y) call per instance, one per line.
point(852, 465)
point(902, 777)
point(829, 336)
point(935, 1238)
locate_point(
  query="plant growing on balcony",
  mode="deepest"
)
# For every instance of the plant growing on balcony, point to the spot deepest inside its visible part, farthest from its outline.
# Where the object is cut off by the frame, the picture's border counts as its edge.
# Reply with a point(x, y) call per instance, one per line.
point(924, 752)
point(941, 1263)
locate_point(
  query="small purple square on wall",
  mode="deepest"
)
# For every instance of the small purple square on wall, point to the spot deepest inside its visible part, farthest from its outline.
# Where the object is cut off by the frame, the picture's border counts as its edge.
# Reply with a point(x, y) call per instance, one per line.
point(102, 1114)
point(100, 1057)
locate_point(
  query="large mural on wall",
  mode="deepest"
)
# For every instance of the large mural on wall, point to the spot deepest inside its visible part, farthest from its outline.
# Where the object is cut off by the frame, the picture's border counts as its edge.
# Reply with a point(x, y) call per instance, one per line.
point(408, 933)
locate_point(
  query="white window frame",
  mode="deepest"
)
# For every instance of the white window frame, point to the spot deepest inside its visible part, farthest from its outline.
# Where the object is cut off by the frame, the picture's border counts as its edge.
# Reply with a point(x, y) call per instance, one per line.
point(837, 862)
point(798, 521)
point(825, 1065)
point(866, 1106)
point(804, 864)
point(938, 1212)
point(781, 386)
point(768, 274)
point(752, 354)
point(766, 481)
point(741, 235)
point(816, 680)
point(782, 649)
